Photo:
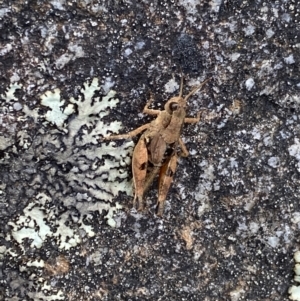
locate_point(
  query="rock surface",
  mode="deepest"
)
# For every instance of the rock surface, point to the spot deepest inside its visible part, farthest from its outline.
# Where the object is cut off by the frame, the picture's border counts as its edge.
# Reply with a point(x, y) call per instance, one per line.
point(75, 71)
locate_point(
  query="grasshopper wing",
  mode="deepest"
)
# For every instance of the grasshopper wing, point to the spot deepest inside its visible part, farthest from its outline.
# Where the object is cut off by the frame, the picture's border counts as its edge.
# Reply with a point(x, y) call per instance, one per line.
point(157, 149)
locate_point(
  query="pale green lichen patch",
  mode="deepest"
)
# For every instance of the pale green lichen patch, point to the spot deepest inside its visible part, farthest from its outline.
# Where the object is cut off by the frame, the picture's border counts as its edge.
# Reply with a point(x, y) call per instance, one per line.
point(8, 119)
point(79, 177)
point(9, 94)
point(91, 110)
point(88, 104)
point(32, 224)
point(56, 114)
point(294, 290)
point(97, 174)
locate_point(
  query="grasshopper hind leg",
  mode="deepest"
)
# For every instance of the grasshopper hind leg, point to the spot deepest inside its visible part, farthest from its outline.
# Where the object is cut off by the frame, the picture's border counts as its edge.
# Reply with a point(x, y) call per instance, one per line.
point(165, 180)
point(139, 171)
point(138, 199)
point(138, 203)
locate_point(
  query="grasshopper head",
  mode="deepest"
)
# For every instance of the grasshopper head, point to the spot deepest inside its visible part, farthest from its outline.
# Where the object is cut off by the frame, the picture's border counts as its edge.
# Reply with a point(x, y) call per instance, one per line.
point(175, 104)
point(178, 102)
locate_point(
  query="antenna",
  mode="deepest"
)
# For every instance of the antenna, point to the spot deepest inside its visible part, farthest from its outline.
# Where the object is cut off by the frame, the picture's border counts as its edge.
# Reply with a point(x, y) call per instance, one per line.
point(196, 89)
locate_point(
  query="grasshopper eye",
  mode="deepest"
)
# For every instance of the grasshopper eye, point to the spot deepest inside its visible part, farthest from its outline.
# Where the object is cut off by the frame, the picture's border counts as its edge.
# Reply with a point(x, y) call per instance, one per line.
point(174, 106)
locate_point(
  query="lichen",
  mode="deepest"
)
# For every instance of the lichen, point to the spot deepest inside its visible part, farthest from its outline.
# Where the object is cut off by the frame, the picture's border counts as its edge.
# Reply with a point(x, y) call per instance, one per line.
point(96, 173)
point(70, 176)
point(294, 290)
point(9, 94)
point(56, 114)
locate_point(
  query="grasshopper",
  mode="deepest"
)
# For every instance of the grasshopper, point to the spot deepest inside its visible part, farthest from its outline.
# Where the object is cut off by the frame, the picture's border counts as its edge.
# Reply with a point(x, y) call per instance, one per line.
point(157, 150)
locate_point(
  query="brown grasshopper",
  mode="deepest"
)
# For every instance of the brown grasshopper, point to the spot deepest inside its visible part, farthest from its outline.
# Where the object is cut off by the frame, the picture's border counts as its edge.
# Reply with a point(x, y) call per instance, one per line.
point(157, 149)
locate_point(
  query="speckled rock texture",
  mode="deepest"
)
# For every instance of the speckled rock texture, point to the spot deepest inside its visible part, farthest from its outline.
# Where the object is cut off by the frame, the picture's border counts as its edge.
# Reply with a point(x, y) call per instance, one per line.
point(75, 71)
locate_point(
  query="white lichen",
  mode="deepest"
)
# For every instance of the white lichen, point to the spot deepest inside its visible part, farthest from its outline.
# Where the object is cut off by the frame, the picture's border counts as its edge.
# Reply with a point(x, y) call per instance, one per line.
point(189, 5)
point(270, 33)
point(4, 11)
point(274, 162)
point(43, 294)
point(215, 5)
point(289, 59)
point(294, 151)
point(171, 86)
point(249, 30)
point(249, 83)
point(204, 187)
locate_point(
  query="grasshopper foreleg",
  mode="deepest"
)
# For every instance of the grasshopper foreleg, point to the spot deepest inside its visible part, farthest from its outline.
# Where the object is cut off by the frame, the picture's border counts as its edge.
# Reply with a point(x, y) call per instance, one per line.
point(150, 111)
